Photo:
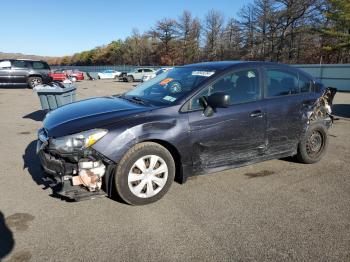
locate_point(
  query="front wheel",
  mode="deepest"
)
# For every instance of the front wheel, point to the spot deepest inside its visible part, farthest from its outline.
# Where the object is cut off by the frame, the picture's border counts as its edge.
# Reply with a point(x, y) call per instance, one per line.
point(144, 174)
point(313, 146)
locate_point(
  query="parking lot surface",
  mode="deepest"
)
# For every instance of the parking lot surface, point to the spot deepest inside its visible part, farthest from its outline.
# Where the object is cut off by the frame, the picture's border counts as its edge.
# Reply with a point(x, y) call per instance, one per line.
point(276, 210)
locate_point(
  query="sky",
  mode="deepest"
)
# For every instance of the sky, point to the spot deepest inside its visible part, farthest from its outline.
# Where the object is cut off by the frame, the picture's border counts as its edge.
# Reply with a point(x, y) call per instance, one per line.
point(57, 28)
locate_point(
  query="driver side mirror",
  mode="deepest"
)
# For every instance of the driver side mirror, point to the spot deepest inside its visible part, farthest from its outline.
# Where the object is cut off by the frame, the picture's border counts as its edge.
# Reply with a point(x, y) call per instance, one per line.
point(216, 100)
point(219, 100)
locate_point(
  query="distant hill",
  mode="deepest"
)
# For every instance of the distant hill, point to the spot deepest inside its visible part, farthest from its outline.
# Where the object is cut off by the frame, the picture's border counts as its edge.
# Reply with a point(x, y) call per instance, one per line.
point(19, 55)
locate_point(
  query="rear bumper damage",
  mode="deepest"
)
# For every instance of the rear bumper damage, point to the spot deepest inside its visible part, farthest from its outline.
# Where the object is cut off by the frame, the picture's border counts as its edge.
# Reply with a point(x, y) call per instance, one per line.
point(321, 109)
point(77, 177)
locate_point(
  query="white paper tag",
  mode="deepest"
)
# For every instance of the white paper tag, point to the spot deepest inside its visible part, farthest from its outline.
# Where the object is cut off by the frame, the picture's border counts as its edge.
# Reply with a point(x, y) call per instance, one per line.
point(203, 73)
point(169, 98)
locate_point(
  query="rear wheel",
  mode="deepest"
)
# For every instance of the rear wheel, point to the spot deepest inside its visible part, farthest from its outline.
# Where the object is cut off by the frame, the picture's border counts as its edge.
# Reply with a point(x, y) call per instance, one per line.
point(34, 81)
point(313, 145)
point(144, 174)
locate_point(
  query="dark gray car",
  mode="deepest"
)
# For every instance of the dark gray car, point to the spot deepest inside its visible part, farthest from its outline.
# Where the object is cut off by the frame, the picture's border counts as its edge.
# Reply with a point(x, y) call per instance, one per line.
point(20, 72)
point(190, 120)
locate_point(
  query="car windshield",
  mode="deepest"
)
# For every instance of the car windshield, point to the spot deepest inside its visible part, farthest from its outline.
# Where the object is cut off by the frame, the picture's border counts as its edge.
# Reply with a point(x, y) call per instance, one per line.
point(170, 86)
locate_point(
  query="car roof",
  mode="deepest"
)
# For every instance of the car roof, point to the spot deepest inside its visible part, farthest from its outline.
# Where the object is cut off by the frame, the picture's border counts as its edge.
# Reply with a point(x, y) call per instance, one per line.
point(26, 59)
point(223, 65)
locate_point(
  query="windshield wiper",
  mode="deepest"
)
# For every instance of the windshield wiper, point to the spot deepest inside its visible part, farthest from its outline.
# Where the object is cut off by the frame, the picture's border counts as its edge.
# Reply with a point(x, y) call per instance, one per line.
point(134, 99)
point(138, 99)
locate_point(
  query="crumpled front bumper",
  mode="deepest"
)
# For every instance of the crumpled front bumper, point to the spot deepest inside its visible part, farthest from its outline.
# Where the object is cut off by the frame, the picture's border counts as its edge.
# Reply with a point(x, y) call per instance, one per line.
point(62, 172)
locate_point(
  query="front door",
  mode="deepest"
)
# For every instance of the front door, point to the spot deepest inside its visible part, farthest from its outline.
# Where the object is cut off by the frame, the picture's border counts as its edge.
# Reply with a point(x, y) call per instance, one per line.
point(233, 135)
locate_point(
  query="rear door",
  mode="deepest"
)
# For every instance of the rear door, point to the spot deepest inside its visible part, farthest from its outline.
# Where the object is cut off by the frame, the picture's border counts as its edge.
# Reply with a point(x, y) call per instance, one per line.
point(19, 72)
point(285, 98)
point(5, 73)
point(41, 68)
point(233, 135)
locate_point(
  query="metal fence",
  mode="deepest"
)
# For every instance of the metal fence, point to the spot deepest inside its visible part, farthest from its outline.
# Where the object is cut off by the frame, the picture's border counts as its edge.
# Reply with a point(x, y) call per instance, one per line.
point(335, 75)
point(121, 68)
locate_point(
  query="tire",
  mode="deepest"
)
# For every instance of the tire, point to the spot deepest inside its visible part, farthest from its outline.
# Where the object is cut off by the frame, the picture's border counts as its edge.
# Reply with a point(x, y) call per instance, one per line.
point(313, 146)
point(134, 185)
point(34, 81)
point(130, 79)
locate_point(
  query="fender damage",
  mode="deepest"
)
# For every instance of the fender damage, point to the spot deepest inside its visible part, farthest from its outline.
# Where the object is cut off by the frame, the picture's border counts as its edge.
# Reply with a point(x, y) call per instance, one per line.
point(321, 110)
point(89, 173)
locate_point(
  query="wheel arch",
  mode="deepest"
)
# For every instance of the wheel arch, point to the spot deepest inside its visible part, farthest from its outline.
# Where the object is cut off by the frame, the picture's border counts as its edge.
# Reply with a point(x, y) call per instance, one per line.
point(179, 173)
point(35, 75)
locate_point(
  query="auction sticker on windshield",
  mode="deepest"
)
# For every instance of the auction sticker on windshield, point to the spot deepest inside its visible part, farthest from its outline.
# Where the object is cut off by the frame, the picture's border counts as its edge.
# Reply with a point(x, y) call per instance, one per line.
point(203, 73)
point(169, 98)
point(166, 81)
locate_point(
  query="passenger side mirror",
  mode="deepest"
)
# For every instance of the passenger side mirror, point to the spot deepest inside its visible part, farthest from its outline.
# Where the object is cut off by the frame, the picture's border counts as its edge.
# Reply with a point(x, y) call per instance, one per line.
point(5, 64)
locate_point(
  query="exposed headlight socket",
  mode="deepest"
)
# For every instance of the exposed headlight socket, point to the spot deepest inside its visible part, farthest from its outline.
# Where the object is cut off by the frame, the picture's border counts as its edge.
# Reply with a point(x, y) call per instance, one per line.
point(90, 174)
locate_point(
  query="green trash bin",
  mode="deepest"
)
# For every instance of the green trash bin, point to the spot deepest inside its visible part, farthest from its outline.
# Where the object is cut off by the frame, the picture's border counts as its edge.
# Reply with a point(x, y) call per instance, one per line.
point(55, 94)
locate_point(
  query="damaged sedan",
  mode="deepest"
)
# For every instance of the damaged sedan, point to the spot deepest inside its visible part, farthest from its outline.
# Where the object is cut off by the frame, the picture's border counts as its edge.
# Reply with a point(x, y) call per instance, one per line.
point(191, 120)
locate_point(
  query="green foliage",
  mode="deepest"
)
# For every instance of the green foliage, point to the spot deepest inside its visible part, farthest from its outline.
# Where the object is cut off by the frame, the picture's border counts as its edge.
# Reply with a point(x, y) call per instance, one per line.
point(337, 32)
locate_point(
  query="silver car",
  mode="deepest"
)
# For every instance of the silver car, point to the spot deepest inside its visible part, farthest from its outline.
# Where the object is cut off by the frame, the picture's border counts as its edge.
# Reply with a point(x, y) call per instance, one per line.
point(138, 74)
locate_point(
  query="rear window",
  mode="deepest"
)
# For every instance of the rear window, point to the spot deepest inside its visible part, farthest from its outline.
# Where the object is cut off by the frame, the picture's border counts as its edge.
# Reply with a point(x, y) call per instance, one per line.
point(304, 84)
point(40, 65)
point(280, 82)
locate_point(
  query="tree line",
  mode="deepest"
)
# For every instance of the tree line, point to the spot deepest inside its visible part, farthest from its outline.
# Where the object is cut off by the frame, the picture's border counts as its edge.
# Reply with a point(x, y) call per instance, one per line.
point(288, 31)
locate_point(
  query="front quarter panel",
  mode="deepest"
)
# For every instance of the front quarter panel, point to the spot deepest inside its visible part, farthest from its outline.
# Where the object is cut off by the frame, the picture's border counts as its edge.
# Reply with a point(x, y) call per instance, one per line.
point(169, 126)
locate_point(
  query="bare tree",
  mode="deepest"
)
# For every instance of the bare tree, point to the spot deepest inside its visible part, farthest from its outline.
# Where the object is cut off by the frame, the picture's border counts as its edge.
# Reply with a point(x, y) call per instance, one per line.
point(189, 35)
point(213, 27)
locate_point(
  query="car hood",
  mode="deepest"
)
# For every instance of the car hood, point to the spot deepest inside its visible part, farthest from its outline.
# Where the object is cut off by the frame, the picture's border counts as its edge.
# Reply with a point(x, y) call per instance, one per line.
point(89, 114)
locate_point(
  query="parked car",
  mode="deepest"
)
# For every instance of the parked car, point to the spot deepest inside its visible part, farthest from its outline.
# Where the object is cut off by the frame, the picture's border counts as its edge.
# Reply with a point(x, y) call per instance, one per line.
point(59, 74)
point(137, 74)
point(156, 73)
point(194, 119)
point(109, 74)
point(75, 75)
point(22, 72)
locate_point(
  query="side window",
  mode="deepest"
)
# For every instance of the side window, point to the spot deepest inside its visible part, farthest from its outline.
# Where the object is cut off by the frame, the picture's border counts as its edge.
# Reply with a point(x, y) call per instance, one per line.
point(242, 86)
point(19, 64)
point(5, 64)
point(281, 83)
point(148, 70)
point(304, 84)
point(139, 71)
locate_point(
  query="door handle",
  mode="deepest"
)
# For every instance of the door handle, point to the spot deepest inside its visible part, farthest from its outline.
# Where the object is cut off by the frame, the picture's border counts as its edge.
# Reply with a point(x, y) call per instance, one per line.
point(256, 113)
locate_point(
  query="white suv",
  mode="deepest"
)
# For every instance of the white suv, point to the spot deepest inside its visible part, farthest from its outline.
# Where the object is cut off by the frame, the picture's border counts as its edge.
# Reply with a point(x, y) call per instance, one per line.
point(138, 73)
